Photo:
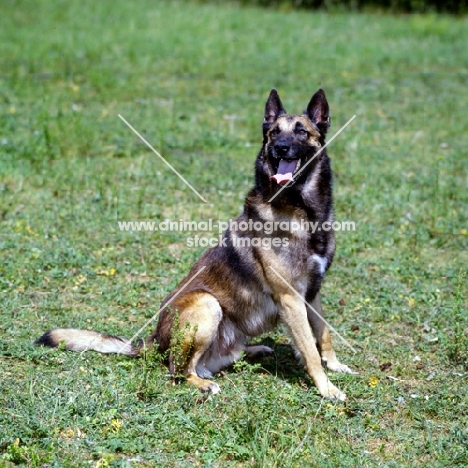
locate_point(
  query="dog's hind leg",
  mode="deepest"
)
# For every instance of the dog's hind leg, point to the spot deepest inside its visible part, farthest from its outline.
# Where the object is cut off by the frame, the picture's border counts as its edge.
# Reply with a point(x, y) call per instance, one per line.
point(322, 335)
point(199, 318)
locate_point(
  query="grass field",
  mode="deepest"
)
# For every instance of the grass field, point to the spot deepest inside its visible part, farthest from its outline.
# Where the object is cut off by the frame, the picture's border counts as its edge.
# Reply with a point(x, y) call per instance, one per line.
point(193, 79)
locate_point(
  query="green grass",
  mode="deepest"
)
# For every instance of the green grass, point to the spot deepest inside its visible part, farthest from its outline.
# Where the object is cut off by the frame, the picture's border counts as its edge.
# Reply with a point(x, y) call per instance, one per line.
point(193, 79)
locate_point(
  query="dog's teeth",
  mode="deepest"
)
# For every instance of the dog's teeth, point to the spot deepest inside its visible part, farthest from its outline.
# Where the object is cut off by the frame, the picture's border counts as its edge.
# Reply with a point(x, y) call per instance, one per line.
point(298, 165)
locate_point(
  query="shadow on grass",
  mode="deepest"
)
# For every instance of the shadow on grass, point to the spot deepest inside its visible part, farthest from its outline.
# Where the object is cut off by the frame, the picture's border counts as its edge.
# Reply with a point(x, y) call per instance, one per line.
point(283, 363)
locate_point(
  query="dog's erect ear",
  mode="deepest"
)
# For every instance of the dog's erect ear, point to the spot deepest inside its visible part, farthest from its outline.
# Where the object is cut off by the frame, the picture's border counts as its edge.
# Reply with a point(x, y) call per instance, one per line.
point(317, 111)
point(273, 110)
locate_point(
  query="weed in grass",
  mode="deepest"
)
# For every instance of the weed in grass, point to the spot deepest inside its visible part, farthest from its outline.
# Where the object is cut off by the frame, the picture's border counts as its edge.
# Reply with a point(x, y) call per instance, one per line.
point(458, 343)
point(181, 345)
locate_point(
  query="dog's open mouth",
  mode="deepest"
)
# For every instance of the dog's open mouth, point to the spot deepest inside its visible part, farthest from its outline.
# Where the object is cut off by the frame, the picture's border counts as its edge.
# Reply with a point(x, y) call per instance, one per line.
point(286, 171)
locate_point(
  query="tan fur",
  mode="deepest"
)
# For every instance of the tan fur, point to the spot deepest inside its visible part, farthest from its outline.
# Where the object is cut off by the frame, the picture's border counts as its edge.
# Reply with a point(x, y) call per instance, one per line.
point(286, 124)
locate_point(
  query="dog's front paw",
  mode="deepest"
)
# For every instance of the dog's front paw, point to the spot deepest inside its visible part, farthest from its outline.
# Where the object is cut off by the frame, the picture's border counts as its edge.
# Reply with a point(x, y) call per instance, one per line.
point(333, 393)
point(336, 366)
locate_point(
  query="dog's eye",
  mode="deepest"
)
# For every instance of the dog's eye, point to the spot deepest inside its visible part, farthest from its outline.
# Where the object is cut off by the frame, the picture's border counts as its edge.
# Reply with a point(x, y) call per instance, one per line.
point(274, 131)
point(302, 132)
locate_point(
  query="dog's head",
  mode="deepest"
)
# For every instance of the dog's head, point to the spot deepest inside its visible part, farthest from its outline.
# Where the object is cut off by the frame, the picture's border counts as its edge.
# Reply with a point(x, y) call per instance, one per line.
point(291, 141)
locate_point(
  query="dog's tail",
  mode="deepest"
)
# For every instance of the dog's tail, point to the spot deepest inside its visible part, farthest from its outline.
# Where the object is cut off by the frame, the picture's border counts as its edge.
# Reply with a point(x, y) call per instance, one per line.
point(84, 340)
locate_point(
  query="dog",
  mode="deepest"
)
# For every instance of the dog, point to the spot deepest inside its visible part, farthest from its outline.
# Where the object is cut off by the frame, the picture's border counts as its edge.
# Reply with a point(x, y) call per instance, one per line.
point(240, 289)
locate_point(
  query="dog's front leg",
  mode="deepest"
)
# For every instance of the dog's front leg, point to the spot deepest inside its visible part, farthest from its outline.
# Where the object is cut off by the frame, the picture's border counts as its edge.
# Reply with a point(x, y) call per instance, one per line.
point(322, 334)
point(294, 315)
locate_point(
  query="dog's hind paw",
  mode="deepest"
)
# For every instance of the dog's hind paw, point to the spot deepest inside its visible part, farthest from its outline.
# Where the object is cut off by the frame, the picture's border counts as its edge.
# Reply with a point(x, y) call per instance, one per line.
point(258, 351)
point(204, 385)
point(213, 388)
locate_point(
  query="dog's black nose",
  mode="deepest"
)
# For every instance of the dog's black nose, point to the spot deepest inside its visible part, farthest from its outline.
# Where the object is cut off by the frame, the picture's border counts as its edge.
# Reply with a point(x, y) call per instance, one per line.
point(282, 150)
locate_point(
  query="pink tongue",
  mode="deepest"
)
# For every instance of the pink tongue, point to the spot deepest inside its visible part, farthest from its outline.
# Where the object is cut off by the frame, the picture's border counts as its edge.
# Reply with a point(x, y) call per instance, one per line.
point(285, 172)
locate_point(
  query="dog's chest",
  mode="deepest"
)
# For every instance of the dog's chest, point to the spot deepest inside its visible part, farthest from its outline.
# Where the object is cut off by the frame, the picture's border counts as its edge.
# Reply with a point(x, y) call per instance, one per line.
point(285, 264)
point(291, 230)
point(293, 261)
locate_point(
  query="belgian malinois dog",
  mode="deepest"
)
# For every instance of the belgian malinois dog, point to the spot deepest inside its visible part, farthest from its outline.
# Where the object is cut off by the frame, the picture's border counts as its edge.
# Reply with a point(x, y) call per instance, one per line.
point(241, 288)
